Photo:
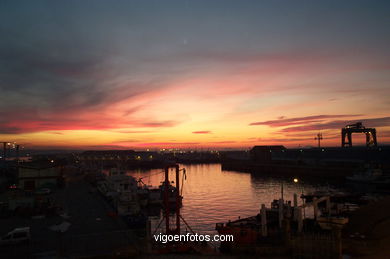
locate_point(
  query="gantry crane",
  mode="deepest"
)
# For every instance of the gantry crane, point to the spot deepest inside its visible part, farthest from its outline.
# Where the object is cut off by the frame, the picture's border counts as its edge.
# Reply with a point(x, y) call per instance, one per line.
point(358, 127)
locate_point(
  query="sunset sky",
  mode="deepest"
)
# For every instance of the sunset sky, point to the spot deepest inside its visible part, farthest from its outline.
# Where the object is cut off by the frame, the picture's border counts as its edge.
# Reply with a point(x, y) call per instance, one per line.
point(202, 74)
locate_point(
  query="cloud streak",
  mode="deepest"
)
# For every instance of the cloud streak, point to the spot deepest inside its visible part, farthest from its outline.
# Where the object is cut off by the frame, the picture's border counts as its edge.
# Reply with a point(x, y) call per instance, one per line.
point(338, 124)
point(91, 123)
point(202, 132)
point(300, 120)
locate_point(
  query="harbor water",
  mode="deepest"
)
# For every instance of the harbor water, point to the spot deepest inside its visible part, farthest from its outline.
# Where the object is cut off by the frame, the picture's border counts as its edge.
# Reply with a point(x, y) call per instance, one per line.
point(212, 195)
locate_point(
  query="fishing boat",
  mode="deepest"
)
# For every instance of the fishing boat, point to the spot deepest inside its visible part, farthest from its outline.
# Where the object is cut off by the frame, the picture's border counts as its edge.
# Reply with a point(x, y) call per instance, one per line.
point(249, 231)
point(335, 196)
point(155, 196)
point(143, 194)
point(120, 190)
point(119, 181)
point(172, 194)
point(173, 210)
point(331, 222)
point(127, 204)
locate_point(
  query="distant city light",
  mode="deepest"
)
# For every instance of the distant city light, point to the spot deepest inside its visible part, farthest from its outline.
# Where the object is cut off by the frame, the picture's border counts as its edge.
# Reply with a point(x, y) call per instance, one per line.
point(295, 180)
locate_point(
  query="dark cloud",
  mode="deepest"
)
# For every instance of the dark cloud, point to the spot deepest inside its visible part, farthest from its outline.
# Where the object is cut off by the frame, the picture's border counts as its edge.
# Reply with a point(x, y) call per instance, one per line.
point(157, 124)
point(49, 87)
point(287, 140)
point(40, 92)
point(338, 124)
point(384, 133)
point(59, 72)
point(281, 121)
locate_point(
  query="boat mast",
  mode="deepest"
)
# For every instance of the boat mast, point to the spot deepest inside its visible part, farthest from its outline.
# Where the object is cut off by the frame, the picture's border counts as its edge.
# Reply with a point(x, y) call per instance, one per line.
point(167, 191)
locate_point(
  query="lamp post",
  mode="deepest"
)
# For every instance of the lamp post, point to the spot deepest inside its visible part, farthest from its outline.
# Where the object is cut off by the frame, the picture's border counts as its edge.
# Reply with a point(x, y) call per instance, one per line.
point(296, 180)
point(319, 138)
point(281, 190)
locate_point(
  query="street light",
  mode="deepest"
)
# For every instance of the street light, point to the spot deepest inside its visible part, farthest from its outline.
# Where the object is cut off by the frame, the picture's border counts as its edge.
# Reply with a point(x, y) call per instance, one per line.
point(296, 180)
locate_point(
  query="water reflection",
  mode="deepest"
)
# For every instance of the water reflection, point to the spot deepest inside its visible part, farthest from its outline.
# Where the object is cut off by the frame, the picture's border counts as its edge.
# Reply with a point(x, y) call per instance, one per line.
point(212, 195)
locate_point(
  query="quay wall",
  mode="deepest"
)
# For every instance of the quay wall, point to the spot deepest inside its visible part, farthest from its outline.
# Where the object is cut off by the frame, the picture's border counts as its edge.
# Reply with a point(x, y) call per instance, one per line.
point(273, 169)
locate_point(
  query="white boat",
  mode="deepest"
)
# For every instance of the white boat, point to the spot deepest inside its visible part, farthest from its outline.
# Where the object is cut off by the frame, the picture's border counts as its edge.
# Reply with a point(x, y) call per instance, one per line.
point(119, 181)
point(122, 190)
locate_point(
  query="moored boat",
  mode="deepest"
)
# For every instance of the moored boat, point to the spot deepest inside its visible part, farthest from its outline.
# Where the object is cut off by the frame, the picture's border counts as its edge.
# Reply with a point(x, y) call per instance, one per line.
point(331, 222)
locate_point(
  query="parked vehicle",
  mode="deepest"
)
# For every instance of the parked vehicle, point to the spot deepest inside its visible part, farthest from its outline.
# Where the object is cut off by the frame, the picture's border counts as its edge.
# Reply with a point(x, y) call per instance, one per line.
point(16, 236)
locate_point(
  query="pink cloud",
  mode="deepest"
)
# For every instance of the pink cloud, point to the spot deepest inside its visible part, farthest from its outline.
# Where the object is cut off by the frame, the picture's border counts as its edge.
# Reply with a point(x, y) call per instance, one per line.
point(132, 131)
point(104, 123)
point(202, 132)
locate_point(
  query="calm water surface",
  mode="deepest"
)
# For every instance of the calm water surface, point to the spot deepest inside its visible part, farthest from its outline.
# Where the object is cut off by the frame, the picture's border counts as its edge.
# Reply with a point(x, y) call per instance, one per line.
point(212, 195)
